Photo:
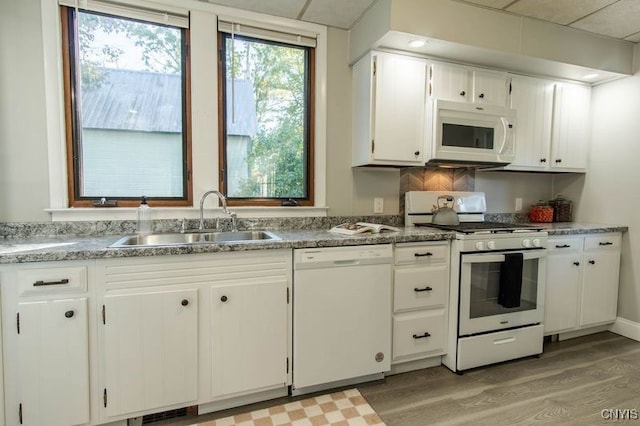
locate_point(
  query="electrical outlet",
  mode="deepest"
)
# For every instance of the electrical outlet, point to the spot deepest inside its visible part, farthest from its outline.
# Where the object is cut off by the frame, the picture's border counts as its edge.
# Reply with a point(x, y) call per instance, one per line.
point(518, 204)
point(378, 205)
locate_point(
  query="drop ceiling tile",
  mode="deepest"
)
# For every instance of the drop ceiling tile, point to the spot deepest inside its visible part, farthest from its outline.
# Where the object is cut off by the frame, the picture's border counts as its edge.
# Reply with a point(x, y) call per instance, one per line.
point(285, 8)
point(619, 20)
point(495, 4)
point(335, 13)
point(558, 11)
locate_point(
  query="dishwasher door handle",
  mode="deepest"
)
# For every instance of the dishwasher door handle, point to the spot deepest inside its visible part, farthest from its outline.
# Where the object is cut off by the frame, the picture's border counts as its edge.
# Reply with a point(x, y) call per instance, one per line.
point(346, 262)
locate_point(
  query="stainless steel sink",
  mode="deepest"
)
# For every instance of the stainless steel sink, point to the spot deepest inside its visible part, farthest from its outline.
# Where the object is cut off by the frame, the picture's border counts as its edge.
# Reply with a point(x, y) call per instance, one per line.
point(193, 238)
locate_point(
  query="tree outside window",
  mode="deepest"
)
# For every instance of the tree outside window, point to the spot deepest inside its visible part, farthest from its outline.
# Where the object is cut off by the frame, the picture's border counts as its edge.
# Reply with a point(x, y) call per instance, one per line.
point(266, 105)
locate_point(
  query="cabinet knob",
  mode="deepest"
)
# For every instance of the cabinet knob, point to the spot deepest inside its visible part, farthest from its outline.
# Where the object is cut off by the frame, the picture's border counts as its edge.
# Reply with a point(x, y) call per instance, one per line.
point(592, 262)
point(184, 302)
point(481, 95)
point(421, 336)
point(463, 93)
point(69, 314)
point(576, 263)
point(543, 160)
point(224, 298)
point(559, 160)
point(416, 153)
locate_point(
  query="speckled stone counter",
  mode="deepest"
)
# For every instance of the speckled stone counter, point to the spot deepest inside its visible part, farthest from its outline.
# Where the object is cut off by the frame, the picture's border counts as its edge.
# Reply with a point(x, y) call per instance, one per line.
point(84, 248)
point(573, 228)
point(44, 249)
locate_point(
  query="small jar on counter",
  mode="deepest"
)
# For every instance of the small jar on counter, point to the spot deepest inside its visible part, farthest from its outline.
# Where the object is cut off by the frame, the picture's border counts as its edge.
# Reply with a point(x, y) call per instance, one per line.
point(562, 209)
point(541, 213)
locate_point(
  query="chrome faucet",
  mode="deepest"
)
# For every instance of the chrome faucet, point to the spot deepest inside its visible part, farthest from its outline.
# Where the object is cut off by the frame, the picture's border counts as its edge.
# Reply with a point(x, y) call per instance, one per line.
point(225, 210)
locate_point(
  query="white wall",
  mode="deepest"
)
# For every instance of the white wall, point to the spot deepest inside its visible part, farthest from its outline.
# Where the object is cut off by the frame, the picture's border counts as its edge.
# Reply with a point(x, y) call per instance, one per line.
point(502, 188)
point(609, 193)
point(24, 191)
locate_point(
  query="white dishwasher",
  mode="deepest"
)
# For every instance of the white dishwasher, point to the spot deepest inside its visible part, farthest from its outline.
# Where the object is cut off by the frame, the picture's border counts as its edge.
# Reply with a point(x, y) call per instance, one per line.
point(341, 316)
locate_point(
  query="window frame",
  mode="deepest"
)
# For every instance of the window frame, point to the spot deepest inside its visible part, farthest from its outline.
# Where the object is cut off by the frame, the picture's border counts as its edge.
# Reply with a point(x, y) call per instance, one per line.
point(309, 130)
point(68, 21)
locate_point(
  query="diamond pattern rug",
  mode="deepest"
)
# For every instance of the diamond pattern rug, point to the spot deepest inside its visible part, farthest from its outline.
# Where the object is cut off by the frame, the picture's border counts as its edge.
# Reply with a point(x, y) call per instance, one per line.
point(345, 408)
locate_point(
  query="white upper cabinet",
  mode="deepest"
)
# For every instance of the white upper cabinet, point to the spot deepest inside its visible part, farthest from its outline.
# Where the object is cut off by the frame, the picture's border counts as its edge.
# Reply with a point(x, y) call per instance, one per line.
point(532, 98)
point(464, 84)
point(389, 110)
point(571, 127)
point(552, 131)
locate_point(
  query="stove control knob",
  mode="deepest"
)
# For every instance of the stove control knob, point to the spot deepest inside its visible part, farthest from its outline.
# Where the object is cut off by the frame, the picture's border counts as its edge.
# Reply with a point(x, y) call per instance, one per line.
point(536, 242)
point(480, 245)
point(526, 243)
point(491, 245)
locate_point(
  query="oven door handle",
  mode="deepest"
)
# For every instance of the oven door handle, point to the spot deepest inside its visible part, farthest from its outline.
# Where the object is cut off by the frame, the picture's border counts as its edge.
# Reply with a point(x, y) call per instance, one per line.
point(499, 256)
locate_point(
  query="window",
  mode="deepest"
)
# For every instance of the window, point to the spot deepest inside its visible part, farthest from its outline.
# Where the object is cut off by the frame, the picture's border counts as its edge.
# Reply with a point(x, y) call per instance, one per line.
point(266, 122)
point(127, 113)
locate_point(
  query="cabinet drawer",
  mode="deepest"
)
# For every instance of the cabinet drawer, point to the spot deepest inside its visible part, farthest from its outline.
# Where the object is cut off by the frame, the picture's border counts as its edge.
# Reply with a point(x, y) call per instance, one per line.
point(51, 280)
point(565, 245)
point(416, 288)
point(421, 254)
point(603, 241)
point(419, 333)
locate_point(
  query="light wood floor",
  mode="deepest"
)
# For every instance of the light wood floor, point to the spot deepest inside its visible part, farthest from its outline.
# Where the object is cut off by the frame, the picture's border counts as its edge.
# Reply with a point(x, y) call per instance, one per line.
point(570, 384)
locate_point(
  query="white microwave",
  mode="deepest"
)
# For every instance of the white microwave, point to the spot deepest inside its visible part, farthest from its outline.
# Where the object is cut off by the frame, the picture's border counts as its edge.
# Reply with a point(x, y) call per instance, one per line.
point(471, 134)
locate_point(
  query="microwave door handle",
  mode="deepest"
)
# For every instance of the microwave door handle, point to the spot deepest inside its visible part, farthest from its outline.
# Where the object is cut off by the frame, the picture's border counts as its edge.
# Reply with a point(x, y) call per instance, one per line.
point(504, 123)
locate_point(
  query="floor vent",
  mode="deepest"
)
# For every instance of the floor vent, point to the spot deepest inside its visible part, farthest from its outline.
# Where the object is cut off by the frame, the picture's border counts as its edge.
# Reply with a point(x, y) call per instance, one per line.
point(167, 415)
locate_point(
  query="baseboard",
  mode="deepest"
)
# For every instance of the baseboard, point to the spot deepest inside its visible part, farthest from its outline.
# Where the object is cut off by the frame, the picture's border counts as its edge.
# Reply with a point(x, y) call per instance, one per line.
point(415, 365)
point(626, 328)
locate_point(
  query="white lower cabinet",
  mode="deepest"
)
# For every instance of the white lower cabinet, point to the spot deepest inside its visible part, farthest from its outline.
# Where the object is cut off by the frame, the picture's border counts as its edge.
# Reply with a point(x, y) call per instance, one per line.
point(249, 335)
point(582, 281)
point(150, 349)
point(420, 298)
point(179, 331)
point(45, 316)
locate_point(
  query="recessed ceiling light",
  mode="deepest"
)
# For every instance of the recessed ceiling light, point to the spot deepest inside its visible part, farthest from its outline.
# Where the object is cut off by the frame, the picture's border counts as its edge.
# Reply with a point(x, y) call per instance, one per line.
point(417, 43)
point(590, 76)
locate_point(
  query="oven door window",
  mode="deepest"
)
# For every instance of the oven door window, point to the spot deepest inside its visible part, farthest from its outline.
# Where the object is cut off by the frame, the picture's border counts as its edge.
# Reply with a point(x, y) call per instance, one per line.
point(464, 136)
point(485, 289)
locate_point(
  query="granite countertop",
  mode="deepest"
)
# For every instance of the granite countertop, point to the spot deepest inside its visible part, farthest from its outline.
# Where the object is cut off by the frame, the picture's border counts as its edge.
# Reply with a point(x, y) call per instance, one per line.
point(97, 247)
point(26, 250)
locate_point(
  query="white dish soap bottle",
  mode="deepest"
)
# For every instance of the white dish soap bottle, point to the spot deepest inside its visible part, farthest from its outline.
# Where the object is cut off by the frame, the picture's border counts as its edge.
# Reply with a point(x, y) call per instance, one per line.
point(143, 226)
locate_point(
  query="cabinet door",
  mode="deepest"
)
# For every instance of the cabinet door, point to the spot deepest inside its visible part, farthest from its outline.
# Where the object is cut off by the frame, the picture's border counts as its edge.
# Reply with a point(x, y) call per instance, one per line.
point(53, 363)
point(532, 99)
point(599, 302)
point(571, 122)
point(249, 336)
point(562, 292)
point(399, 109)
point(151, 350)
point(450, 82)
point(490, 88)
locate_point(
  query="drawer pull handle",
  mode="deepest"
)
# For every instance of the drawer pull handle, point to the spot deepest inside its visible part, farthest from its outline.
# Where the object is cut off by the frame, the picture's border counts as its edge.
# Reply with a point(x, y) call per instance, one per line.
point(427, 288)
point(592, 262)
point(606, 243)
point(59, 282)
point(184, 302)
point(421, 336)
point(423, 254)
point(69, 314)
point(503, 341)
point(562, 246)
point(576, 263)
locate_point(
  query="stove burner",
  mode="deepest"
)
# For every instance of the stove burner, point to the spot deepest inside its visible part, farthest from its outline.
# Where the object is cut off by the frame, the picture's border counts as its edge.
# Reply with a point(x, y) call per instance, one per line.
point(484, 227)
